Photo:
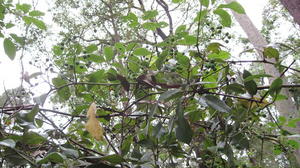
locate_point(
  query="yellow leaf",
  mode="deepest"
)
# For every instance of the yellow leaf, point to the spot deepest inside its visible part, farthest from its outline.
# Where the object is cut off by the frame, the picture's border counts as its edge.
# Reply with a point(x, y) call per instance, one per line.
point(247, 103)
point(93, 125)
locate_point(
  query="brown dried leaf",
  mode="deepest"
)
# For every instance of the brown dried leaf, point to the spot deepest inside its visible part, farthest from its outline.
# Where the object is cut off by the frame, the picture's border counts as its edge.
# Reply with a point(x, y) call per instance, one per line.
point(93, 125)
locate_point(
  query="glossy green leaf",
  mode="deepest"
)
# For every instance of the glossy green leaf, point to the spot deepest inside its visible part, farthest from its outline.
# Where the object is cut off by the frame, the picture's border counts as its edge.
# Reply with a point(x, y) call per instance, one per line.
point(9, 48)
point(216, 103)
point(235, 6)
point(224, 16)
point(8, 143)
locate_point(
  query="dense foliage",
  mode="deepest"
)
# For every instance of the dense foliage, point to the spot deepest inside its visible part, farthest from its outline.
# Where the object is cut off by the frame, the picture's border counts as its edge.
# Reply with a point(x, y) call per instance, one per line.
point(142, 84)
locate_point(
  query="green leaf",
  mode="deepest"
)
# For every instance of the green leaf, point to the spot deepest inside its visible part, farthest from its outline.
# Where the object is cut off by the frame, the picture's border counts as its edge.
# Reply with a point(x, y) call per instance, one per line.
point(141, 52)
point(180, 29)
point(9, 25)
point(250, 86)
point(235, 87)
point(151, 14)
point(134, 64)
point(150, 26)
point(20, 40)
point(69, 152)
point(271, 52)
point(109, 53)
point(53, 157)
point(240, 141)
point(38, 23)
point(91, 48)
point(204, 2)
point(8, 143)
point(183, 60)
point(293, 122)
point(216, 103)
point(221, 55)
point(57, 50)
point(235, 6)
point(120, 47)
point(9, 48)
point(177, 1)
point(183, 131)
point(249, 78)
point(168, 94)
point(126, 145)
point(29, 116)
point(32, 138)
point(36, 13)
point(2, 12)
point(114, 159)
point(214, 47)
point(275, 86)
point(23, 7)
point(64, 93)
point(200, 15)
point(161, 59)
point(224, 16)
point(188, 40)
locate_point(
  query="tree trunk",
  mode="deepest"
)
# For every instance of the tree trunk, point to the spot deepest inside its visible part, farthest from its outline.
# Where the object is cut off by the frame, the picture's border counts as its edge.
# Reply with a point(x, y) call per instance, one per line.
point(293, 6)
point(286, 108)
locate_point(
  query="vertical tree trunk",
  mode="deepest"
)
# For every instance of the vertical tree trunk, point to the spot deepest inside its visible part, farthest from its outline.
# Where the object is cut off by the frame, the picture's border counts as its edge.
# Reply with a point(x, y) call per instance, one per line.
point(286, 108)
point(293, 6)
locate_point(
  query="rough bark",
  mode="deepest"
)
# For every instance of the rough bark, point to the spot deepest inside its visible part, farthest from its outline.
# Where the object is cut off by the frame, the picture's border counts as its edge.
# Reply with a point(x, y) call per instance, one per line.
point(293, 6)
point(287, 107)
